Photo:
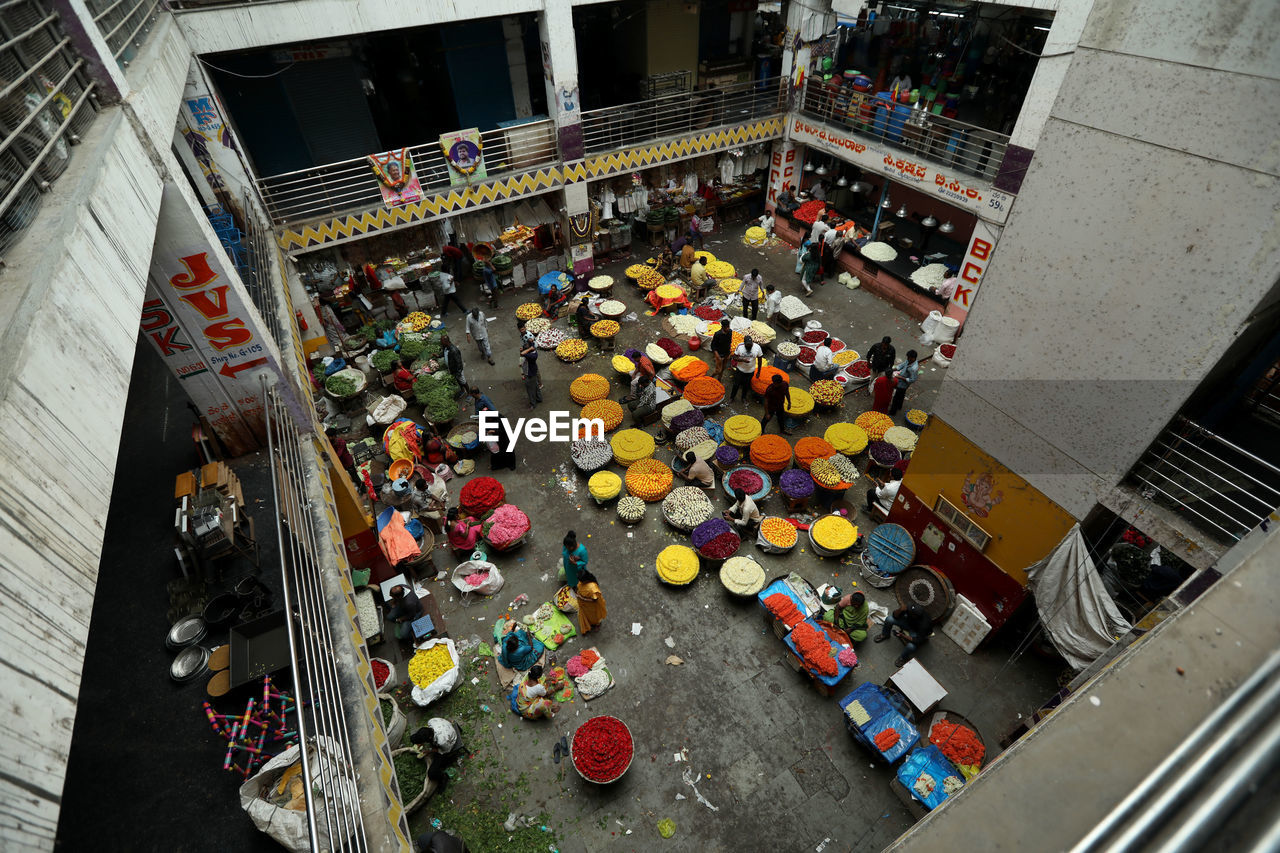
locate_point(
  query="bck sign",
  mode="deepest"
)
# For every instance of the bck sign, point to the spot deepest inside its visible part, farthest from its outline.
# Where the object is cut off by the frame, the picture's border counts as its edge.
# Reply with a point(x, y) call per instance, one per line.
point(976, 258)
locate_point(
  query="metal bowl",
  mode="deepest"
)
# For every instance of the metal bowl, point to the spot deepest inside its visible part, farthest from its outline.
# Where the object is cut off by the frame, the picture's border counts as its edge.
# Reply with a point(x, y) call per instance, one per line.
point(191, 663)
point(184, 632)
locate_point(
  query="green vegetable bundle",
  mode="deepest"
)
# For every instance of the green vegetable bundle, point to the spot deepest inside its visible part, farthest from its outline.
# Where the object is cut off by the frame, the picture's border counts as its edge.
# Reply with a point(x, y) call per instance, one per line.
point(384, 360)
point(341, 386)
point(436, 396)
point(412, 348)
point(411, 773)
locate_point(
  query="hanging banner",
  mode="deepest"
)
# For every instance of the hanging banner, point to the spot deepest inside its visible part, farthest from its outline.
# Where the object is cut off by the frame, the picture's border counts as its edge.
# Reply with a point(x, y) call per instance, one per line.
point(465, 152)
point(976, 258)
point(784, 169)
point(397, 179)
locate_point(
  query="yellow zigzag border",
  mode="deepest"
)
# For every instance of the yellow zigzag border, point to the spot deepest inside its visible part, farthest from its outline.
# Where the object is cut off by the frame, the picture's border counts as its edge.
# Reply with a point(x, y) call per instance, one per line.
point(453, 200)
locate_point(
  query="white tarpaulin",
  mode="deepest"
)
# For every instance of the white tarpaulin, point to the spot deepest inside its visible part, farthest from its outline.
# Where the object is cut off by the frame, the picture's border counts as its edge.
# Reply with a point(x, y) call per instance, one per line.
point(1074, 606)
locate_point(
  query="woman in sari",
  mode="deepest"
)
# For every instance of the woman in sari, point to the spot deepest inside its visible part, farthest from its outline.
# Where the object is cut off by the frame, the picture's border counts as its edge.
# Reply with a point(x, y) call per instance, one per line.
point(850, 616)
point(591, 609)
point(882, 393)
point(463, 532)
point(520, 650)
point(533, 696)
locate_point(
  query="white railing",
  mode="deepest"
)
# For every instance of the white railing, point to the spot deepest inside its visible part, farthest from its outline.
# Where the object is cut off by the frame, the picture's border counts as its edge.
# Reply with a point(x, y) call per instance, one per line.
point(124, 24)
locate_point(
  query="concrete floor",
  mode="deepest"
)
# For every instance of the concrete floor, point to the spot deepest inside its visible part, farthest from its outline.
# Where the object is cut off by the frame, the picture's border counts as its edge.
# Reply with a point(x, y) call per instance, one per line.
point(770, 754)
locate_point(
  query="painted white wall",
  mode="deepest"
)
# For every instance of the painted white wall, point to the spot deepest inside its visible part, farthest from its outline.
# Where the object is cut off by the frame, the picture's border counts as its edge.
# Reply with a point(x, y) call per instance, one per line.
point(1051, 68)
point(1140, 243)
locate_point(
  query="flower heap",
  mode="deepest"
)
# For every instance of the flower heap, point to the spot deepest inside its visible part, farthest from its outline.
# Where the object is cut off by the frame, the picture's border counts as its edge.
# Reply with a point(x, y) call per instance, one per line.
point(687, 507)
point(801, 402)
point(677, 564)
point(590, 454)
point(715, 539)
point(708, 313)
point(844, 357)
point(792, 308)
point(428, 665)
point(884, 454)
point(957, 742)
point(902, 438)
point(646, 278)
point(609, 411)
point(417, 321)
point(844, 467)
point(649, 479)
point(600, 282)
point(631, 445)
point(605, 328)
point(874, 424)
point(917, 417)
point(827, 392)
point(788, 349)
point(550, 338)
point(528, 311)
point(846, 438)
point(720, 269)
point(688, 420)
point(631, 509)
point(604, 485)
point(704, 390)
point(622, 364)
point(761, 381)
point(783, 608)
point(690, 438)
point(778, 532)
point(674, 409)
point(669, 291)
point(602, 749)
point(571, 350)
point(537, 326)
point(657, 354)
point(742, 576)
point(741, 430)
point(612, 307)
point(825, 474)
point(688, 367)
point(727, 454)
point(807, 355)
point(481, 495)
point(771, 453)
point(729, 286)
point(859, 369)
point(670, 347)
point(747, 480)
point(381, 672)
point(815, 647)
point(948, 350)
point(588, 387)
point(834, 533)
point(506, 526)
point(796, 483)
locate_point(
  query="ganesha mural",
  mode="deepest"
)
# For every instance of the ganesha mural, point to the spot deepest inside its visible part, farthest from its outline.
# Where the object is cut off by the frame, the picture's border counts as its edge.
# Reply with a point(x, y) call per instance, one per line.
point(979, 493)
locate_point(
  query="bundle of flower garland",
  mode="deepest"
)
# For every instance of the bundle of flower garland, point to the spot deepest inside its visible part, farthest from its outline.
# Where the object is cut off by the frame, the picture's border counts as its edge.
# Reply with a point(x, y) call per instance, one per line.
point(844, 467)
point(761, 332)
point(657, 354)
point(958, 743)
point(677, 564)
point(646, 278)
point(846, 438)
point(742, 575)
point(741, 430)
point(604, 485)
point(902, 438)
point(788, 349)
point(688, 367)
point(687, 507)
point(590, 454)
point(505, 526)
point(687, 420)
point(600, 282)
point(670, 347)
point(874, 424)
point(815, 647)
point(688, 438)
point(537, 326)
point(782, 607)
point(884, 454)
point(771, 453)
point(762, 380)
point(605, 328)
point(609, 411)
point(778, 532)
point(630, 509)
point(481, 495)
point(794, 482)
point(810, 448)
point(668, 291)
point(755, 236)
point(801, 402)
point(720, 269)
point(684, 324)
point(844, 357)
point(588, 387)
point(649, 479)
point(528, 311)
point(729, 286)
point(622, 364)
point(631, 445)
point(571, 350)
point(704, 390)
point(727, 454)
point(704, 256)
point(550, 338)
point(834, 533)
point(917, 417)
point(860, 369)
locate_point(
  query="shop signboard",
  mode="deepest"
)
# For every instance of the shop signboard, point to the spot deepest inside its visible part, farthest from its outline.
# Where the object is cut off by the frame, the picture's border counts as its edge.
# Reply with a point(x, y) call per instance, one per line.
point(784, 165)
point(464, 151)
point(397, 178)
point(198, 317)
point(976, 258)
point(962, 191)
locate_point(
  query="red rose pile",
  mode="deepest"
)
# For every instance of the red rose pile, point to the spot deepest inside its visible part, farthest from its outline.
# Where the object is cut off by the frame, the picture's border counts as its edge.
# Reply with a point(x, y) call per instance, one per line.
point(948, 350)
point(670, 347)
point(706, 312)
point(807, 355)
point(748, 481)
point(380, 673)
point(860, 369)
point(810, 211)
point(481, 495)
point(602, 749)
point(782, 607)
point(815, 648)
point(957, 742)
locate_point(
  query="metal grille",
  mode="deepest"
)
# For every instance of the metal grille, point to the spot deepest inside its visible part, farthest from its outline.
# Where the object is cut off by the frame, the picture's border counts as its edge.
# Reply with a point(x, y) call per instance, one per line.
point(681, 114)
point(43, 93)
point(256, 271)
point(319, 690)
point(945, 141)
point(124, 24)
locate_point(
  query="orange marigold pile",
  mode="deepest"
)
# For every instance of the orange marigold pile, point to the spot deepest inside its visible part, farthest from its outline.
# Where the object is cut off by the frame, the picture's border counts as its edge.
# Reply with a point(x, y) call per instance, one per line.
point(704, 390)
point(770, 453)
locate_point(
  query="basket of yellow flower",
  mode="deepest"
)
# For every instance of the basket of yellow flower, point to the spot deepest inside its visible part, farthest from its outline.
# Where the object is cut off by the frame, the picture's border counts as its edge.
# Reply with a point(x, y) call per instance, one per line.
point(571, 350)
point(832, 535)
point(528, 311)
point(649, 479)
point(677, 565)
point(588, 387)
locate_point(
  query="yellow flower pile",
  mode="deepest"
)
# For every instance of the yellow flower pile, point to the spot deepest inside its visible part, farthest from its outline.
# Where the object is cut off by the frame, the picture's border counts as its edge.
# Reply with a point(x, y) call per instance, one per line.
point(646, 277)
point(675, 409)
point(632, 445)
point(537, 325)
point(669, 291)
point(846, 438)
point(742, 575)
point(874, 424)
point(917, 416)
point(826, 392)
point(588, 387)
point(778, 532)
point(571, 350)
point(730, 286)
point(604, 485)
point(528, 311)
point(429, 664)
point(609, 411)
point(902, 438)
point(801, 402)
point(605, 328)
point(649, 479)
point(761, 332)
point(677, 564)
point(417, 321)
point(622, 364)
point(720, 269)
point(824, 473)
point(834, 533)
point(600, 282)
point(707, 257)
point(845, 356)
point(755, 236)
point(741, 430)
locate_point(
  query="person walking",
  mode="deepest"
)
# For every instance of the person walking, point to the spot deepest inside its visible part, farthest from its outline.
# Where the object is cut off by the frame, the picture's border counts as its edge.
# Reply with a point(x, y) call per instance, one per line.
point(830, 237)
point(573, 559)
point(880, 356)
point(452, 357)
point(695, 231)
point(449, 293)
point(906, 373)
point(777, 397)
point(721, 348)
point(809, 268)
point(529, 372)
point(591, 607)
point(882, 393)
point(478, 331)
point(820, 227)
point(748, 361)
point(752, 288)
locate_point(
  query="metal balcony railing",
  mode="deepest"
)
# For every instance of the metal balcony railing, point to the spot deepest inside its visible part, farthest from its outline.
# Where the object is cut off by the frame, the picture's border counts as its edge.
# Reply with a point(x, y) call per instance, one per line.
point(350, 185)
point(1208, 480)
point(46, 103)
point(944, 141)
point(124, 24)
point(683, 114)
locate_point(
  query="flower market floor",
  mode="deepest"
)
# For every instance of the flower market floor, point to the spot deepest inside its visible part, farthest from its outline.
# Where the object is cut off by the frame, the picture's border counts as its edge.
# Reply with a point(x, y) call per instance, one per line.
point(769, 762)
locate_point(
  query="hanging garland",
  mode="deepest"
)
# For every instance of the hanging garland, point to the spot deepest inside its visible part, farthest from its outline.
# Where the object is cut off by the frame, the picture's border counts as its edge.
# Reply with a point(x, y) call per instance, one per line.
point(581, 227)
point(453, 153)
point(381, 165)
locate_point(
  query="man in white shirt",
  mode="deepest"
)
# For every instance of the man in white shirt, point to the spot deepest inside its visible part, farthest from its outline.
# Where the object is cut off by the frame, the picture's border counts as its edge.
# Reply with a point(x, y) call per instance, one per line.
point(449, 293)
point(772, 302)
point(766, 222)
point(947, 289)
point(823, 365)
point(744, 514)
point(748, 359)
point(830, 239)
point(478, 331)
point(752, 287)
point(884, 493)
point(820, 227)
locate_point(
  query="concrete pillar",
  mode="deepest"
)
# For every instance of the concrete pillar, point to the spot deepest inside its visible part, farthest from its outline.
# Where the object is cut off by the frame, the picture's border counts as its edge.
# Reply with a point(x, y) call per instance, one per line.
point(977, 257)
point(579, 233)
point(516, 66)
point(786, 159)
point(560, 73)
point(87, 39)
point(806, 20)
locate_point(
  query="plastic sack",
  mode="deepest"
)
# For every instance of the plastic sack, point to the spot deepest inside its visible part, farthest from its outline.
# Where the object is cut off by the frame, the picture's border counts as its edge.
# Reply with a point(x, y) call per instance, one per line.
point(443, 471)
point(388, 409)
point(940, 359)
point(392, 675)
point(399, 722)
point(928, 325)
point(812, 326)
point(289, 826)
point(489, 586)
point(424, 696)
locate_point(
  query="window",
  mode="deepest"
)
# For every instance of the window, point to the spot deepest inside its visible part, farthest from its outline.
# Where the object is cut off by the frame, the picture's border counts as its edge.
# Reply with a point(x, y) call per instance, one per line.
point(960, 523)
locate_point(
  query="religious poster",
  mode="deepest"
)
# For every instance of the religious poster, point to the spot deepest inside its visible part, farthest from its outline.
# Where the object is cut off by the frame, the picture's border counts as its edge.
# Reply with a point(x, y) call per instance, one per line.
point(464, 151)
point(397, 179)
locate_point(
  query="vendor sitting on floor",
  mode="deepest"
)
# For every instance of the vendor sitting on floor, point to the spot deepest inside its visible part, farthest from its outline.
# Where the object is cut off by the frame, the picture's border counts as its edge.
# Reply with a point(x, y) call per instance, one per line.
point(585, 317)
point(850, 616)
point(438, 452)
point(520, 649)
point(744, 513)
point(405, 608)
point(665, 261)
point(697, 470)
point(914, 625)
point(429, 496)
point(645, 401)
point(463, 532)
point(533, 695)
point(439, 742)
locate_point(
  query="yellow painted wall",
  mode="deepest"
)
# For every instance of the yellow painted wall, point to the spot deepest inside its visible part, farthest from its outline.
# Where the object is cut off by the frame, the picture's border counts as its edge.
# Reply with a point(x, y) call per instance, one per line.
point(672, 35)
point(1023, 523)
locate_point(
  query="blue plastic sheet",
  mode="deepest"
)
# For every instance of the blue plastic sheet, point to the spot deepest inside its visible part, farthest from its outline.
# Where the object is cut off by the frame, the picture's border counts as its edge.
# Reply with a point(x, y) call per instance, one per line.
point(928, 759)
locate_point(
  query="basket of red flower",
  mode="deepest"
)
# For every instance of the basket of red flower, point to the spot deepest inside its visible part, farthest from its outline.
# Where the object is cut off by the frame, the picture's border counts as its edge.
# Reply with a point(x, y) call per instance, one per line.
point(601, 749)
